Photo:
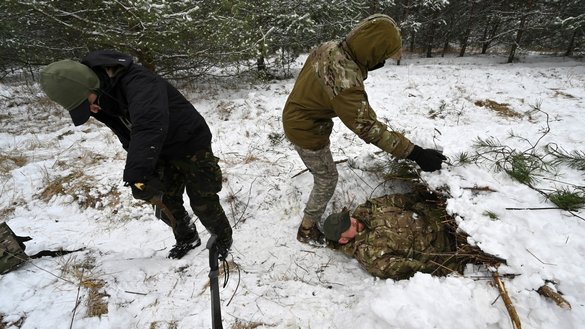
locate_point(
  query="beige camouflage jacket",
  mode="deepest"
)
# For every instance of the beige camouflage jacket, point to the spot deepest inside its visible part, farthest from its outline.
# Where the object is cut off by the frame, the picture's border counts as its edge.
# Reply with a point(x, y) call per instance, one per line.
point(331, 84)
point(401, 238)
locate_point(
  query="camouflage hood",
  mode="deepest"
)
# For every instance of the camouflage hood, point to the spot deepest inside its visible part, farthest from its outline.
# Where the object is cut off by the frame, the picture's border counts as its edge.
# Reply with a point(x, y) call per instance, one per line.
point(374, 40)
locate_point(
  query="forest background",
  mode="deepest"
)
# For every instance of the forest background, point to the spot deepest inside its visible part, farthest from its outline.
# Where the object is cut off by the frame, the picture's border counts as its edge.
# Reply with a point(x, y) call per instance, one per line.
point(260, 38)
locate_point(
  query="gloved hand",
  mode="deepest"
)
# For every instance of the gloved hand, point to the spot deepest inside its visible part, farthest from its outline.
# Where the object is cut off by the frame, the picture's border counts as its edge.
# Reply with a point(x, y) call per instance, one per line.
point(223, 248)
point(147, 190)
point(427, 159)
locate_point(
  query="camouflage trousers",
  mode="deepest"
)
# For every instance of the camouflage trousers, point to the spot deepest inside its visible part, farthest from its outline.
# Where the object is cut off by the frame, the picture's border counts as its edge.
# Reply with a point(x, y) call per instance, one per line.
point(320, 164)
point(200, 175)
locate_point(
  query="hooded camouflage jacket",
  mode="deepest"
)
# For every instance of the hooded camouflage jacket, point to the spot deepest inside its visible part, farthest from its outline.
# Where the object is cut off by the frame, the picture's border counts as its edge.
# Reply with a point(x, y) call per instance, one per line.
point(402, 237)
point(331, 84)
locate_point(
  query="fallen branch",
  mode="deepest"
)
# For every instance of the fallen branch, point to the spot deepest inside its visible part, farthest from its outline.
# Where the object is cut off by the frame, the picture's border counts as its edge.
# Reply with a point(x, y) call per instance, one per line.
point(507, 301)
point(480, 189)
point(548, 292)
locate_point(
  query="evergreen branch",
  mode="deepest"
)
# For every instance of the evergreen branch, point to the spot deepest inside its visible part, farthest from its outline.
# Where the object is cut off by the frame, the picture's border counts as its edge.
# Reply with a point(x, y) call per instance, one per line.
point(574, 159)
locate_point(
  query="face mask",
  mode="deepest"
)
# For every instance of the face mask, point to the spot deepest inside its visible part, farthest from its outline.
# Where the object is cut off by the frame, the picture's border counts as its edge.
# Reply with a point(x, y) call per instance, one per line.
point(377, 66)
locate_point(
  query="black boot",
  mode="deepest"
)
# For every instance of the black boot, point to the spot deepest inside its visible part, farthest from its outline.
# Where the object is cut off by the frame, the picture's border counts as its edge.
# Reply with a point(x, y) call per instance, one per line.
point(187, 239)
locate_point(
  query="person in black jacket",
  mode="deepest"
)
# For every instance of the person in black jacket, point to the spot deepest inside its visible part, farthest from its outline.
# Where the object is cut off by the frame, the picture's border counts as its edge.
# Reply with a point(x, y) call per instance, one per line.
point(167, 140)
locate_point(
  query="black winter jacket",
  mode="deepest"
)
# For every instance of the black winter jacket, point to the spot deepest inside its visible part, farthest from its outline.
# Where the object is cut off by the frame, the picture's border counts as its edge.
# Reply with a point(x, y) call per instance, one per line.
point(151, 118)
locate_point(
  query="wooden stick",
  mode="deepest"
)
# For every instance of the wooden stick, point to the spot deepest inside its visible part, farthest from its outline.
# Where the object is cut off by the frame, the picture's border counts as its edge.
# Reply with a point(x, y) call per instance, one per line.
point(507, 301)
point(548, 292)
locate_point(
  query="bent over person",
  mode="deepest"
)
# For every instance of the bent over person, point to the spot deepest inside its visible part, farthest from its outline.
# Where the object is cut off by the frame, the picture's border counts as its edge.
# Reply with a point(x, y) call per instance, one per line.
point(331, 84)
point(167, 140)
point(395, 236)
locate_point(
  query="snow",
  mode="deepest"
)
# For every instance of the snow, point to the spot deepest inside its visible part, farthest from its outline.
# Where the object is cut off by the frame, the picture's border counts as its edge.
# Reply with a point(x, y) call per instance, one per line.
point(276, 282)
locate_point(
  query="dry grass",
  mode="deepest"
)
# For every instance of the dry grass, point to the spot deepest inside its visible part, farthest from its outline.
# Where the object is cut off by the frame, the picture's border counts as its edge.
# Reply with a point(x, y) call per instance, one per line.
point(160, 325)
point(84, 272)
point(58, 186)
point(83, 190)
point(225, 110)
point(502, 109)
point(560, 93)
point(250, 158)
point(10, 162)
point(5, 213)
point(96, 302)
point(239, 324)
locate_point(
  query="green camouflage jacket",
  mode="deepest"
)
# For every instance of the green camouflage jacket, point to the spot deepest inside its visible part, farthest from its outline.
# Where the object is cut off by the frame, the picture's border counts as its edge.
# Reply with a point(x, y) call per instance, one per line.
point(402, 237)
point(331, 84)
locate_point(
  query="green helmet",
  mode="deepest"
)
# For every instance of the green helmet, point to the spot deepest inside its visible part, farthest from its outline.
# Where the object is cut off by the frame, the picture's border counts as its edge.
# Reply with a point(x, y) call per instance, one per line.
point(69, 83)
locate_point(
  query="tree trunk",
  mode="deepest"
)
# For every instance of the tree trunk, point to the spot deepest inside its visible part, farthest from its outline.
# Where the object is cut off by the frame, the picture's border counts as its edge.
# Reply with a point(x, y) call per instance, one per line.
point(430, 40)
point(519, 34)
point(260, 64)
point(412, 36)
point(465, 39)
point(571, 46)
point(445, 47)
point(488, 35)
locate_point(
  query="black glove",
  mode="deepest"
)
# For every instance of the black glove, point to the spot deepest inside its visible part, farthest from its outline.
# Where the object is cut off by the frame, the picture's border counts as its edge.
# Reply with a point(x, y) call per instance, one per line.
point(223, 247)
point(427, 159)
point(147, 190)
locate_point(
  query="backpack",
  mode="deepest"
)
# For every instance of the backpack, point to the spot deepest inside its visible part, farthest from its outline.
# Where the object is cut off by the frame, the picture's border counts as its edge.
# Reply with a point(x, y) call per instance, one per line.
point(12, 253)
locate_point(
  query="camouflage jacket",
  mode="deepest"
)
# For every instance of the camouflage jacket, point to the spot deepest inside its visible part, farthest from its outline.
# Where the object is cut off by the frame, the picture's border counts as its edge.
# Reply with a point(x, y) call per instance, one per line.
point(402, 237)
point(11, 249)
point(331, 84)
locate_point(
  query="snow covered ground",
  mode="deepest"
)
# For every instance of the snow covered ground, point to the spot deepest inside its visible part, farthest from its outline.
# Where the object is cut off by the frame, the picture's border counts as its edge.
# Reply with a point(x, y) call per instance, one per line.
point(276, 282)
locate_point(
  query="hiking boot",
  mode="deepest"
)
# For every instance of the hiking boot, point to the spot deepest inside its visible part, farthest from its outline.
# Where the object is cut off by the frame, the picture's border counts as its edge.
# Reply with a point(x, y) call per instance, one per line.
point(310, 235)
point(182, 247)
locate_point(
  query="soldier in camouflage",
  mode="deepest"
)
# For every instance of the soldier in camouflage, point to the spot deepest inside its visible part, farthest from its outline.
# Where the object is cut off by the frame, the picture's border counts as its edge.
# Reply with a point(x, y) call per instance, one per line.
point(395, 236)
point(331, 84)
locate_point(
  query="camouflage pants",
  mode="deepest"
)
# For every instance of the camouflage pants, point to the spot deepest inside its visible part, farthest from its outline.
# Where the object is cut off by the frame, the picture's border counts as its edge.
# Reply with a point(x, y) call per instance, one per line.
point(200, 175)
point(320, 164)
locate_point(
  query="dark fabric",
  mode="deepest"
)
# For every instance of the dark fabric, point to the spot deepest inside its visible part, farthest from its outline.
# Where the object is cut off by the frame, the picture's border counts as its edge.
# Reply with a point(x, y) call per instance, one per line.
point(336, 224)
point(147, 190)
point(427, 159)
point(81, 113)
point(151, 118)
point(201, 176)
